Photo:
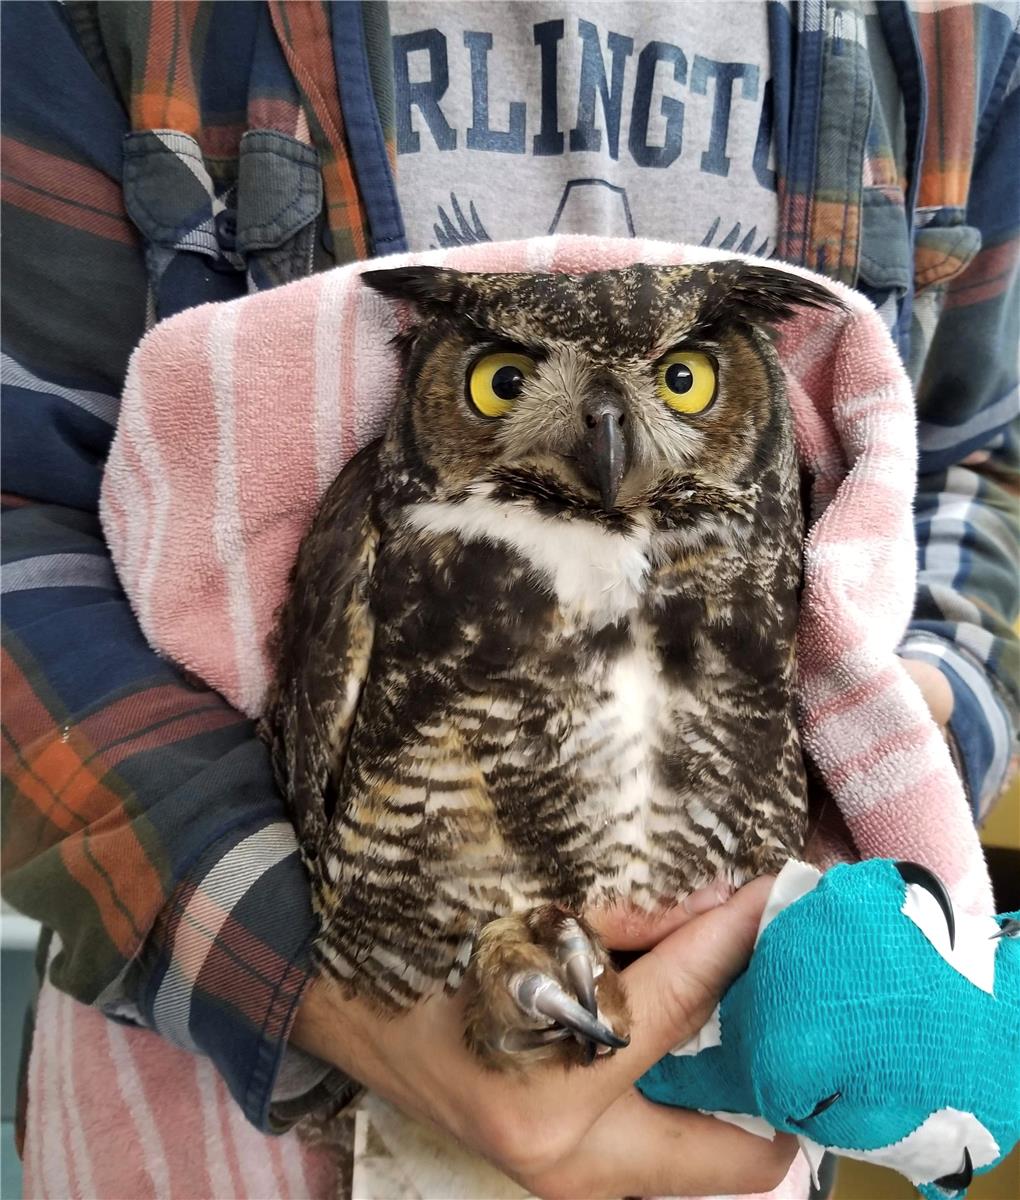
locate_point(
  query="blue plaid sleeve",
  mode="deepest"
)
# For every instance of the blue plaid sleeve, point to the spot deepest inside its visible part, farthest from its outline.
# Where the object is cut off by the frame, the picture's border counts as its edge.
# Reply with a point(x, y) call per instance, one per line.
point(141, 820)
point(969, 438)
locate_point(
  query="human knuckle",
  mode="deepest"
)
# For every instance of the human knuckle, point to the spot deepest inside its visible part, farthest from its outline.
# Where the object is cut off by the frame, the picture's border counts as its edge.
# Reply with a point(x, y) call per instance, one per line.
point(570, 1177)
point(528, 1149)
point(773, 1164)
point(497, 1138)
point(687, 1003)
point(561, 1185)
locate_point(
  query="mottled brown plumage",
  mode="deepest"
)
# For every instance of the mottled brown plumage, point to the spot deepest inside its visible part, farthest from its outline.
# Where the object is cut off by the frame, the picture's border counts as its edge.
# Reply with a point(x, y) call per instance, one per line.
point(512, 673)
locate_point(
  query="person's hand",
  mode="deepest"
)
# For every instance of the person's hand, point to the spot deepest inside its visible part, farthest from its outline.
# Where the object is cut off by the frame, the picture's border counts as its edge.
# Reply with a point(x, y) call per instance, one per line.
point(935, 689)
point(583, 1131)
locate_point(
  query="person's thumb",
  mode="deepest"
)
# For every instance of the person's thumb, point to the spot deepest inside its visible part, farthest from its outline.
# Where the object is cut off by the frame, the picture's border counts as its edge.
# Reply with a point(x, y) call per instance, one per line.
point(673, 989)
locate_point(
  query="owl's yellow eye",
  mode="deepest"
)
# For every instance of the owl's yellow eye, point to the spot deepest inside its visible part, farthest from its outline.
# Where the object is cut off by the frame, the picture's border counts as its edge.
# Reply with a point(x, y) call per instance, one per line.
point(497, 380)
point(686, 381)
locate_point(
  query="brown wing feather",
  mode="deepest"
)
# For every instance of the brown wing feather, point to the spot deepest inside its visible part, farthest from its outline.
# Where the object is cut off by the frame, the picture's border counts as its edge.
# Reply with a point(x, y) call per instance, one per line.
point(321, 649)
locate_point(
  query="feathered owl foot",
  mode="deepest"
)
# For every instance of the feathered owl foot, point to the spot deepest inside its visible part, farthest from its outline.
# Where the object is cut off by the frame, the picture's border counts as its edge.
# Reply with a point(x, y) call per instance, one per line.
point(541, 986)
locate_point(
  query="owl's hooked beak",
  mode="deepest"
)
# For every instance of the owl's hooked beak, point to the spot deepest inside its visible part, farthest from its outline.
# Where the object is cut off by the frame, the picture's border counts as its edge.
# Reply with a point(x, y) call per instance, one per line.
point(603, 452)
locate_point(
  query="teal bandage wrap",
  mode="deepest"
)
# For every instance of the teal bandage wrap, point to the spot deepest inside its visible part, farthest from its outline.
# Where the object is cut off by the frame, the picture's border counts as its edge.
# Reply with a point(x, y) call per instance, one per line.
point(854, 989)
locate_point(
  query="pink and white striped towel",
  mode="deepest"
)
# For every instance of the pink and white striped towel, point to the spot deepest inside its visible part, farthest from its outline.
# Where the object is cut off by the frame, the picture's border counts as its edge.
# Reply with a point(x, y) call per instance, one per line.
point(116, 1113)
point(237, 416)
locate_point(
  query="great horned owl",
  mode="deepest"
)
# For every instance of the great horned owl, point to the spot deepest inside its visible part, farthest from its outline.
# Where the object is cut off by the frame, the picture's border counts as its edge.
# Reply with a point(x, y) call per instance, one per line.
point(538, 652)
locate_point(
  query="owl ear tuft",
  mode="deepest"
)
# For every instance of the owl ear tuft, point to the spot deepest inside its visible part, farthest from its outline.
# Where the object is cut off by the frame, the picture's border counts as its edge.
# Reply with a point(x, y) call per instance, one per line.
point(421, 285)
point(765, 293)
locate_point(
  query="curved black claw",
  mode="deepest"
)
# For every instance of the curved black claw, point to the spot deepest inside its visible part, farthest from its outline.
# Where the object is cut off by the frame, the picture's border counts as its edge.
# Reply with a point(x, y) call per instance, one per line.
point(574, 952)
point(960, 1180)
point(911, 872)
point(540, 997)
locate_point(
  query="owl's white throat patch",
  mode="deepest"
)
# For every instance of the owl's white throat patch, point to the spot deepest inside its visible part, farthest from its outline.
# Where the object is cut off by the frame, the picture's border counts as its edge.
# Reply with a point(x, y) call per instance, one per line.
point(596, 575)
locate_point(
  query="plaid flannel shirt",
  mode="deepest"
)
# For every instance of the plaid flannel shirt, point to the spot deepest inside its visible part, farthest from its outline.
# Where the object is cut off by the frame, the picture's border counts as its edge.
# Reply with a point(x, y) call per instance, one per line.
point(160, 156)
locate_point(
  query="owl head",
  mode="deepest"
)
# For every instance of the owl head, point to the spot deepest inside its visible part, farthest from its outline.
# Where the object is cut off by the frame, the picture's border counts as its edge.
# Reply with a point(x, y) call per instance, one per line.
point(589, 392)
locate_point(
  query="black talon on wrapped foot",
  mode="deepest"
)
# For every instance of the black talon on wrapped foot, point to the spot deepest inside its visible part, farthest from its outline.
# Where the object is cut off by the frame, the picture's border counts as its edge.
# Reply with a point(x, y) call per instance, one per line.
point(541, 987)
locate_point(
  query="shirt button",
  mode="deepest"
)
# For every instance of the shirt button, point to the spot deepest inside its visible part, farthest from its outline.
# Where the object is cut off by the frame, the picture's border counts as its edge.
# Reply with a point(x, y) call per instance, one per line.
point(225, 224)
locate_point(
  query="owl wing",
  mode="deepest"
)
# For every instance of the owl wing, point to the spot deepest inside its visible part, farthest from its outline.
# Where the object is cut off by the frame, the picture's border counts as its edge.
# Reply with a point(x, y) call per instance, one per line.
point(322, 646)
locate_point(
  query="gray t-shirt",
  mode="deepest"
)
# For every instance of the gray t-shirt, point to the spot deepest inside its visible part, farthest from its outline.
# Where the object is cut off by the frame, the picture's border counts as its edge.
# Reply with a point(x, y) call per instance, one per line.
point(630, 118)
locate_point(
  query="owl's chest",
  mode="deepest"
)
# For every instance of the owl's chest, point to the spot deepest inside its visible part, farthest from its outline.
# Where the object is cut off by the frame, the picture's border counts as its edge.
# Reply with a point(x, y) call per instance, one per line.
point(623, 729)
point(576, 693)
point(557, 626)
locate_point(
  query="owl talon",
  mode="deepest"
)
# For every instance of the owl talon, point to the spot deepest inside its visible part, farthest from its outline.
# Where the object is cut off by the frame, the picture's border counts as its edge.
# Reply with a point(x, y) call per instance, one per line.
point(574, 953)
point(540, 987)
point(539, 996)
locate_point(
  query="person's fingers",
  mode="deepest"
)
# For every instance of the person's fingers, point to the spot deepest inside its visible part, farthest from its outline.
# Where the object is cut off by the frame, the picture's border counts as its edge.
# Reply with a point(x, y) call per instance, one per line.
point(638, 1148)
point(935, 688)
point(673, 988)
point(625, 927)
